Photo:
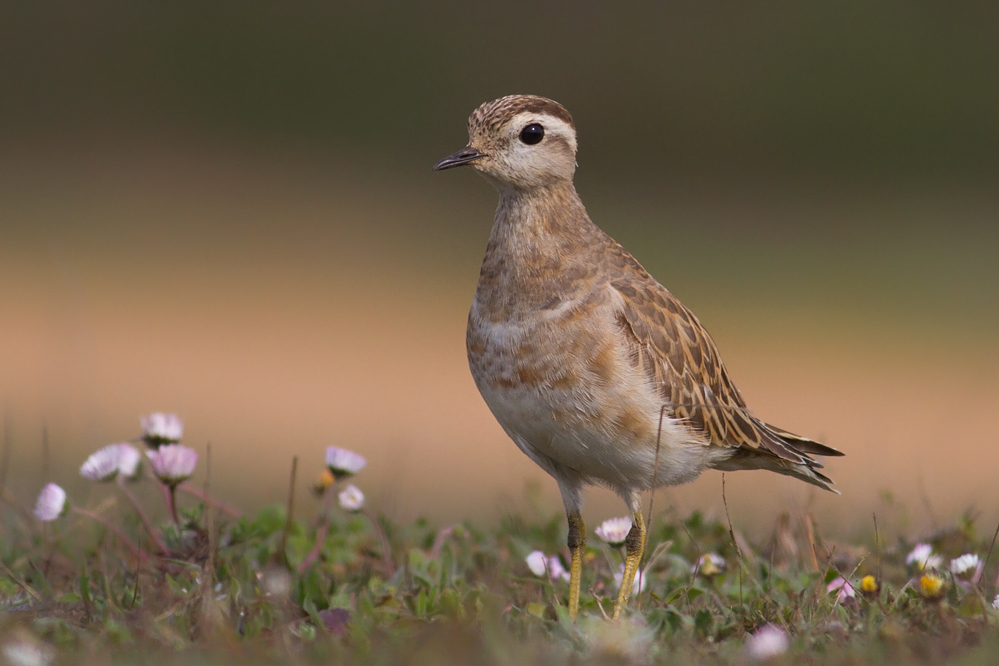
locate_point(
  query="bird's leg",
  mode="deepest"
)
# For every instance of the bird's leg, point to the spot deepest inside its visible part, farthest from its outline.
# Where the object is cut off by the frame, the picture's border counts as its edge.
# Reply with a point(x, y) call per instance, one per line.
point(635, 548)
point(577, 546)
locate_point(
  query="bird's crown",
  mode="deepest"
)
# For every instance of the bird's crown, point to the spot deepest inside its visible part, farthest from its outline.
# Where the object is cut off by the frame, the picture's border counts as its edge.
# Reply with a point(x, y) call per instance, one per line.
point(491, 116)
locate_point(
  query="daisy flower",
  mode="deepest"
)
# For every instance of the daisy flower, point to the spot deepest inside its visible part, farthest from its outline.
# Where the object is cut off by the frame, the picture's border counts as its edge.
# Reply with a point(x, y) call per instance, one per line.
point(614, 531)
point(555, 568)
point(537, 563)
point(968, 567)
point(931, 585)
point(541, 565)
point(843, 587)
point(129, 461)
point(102, 465)
point(922, 556)
point(767, 643)
point(159, 428)
point(323, 483)
point(173, 464)
point(343, 462)
point(709, 564)
point(351, 498)
point(51, 503)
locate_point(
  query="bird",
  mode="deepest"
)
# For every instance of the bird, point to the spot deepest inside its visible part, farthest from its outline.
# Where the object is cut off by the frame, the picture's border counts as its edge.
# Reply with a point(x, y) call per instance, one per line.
point(593, 368)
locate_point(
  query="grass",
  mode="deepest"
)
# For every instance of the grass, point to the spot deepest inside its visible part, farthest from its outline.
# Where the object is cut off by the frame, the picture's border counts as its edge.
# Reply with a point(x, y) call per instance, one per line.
point(235, 590)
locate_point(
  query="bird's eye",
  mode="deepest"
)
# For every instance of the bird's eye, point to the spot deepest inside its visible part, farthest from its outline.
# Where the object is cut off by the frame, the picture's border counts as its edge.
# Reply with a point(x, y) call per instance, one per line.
point(532, 134)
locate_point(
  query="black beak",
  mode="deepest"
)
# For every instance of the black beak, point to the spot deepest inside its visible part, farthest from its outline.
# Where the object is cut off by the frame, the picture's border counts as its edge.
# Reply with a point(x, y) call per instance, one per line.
point(460, 158)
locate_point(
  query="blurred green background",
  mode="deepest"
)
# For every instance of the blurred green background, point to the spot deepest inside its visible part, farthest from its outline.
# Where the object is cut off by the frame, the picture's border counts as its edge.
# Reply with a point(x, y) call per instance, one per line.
point(857, 91)
point(227, 210)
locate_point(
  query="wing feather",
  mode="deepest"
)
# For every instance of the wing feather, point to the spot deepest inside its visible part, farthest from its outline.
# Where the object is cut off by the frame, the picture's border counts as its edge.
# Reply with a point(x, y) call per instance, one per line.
point(682, 362)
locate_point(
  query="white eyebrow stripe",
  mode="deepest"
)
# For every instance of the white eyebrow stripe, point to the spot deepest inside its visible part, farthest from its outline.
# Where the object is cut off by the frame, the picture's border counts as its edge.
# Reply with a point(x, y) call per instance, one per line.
point(552, 125)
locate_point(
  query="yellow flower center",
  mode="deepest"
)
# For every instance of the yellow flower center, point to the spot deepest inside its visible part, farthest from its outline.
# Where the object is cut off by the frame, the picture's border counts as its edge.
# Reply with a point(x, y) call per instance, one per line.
point(931, 585)
point(323, 483)
point(869, 584)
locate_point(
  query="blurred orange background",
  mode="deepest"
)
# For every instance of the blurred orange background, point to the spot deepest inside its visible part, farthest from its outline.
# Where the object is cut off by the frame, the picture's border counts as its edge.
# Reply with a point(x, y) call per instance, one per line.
point(231, 215)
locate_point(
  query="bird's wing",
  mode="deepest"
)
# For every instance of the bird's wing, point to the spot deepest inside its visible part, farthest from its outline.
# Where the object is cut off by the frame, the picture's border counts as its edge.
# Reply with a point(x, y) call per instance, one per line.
point(682, 362)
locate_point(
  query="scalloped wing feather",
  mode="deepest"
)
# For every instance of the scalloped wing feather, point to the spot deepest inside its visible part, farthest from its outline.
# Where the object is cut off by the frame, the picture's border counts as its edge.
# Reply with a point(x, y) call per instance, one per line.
point(683, 364)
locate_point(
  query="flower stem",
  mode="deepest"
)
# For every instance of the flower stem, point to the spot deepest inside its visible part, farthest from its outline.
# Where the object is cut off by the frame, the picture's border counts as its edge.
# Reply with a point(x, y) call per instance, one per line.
point(144, 518)
point(320, 540)
point(165, 489)
point(112, 528)
point(172, 503)
point(324, 526)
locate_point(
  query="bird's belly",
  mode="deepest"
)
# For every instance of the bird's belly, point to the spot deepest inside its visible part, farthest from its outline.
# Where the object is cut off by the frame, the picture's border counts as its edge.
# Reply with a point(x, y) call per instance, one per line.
point(571, 401)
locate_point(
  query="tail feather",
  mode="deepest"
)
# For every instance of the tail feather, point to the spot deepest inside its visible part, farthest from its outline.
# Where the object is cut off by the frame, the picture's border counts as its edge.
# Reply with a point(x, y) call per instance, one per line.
point(803, 444)
point(808, 474)
point(800, 465)
point(754, 459)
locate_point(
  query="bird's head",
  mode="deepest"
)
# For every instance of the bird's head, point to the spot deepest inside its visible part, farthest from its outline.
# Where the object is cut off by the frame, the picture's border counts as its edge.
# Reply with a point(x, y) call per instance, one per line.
point(519, 142)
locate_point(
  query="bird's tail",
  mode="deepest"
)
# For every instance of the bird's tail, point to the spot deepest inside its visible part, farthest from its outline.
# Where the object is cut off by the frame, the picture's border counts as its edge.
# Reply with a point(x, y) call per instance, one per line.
point(803, 444)
point(800, 464)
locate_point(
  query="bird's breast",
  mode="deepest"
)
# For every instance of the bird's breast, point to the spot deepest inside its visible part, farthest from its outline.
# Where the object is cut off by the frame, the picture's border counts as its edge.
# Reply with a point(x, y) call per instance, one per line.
point(560, 373)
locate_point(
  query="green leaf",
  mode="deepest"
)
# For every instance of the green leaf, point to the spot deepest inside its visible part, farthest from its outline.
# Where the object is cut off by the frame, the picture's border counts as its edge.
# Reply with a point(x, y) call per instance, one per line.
point(303, 630)
point(309, 607)
point(270, 519)
point(673, 596)
point(535, 609)
point(85, 586)
point(117, 632)
point(340, 600)
point(450, 603)
point(703, 621)
point(421, 604)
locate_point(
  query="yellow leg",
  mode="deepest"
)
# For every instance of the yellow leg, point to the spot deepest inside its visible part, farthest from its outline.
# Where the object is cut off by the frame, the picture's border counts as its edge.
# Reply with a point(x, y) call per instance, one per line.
point(635, 548)
point(577, 546)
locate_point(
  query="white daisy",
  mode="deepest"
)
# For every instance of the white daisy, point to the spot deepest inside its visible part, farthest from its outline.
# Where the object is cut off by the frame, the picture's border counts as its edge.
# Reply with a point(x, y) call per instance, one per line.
point(540, 565)
point(129, 461)
point(159, 428)
point(51, 503)
point(343, 463)
point(351, 498)
point(709, 564)
point(922, 556)
point(555, 568)
point(769, 642)
point(102, 465)
point(965, 565)
point(995, 603)
point(537, 563)
point(172, 463)
point(614, 530)
point(967, 570)
point(638, 585)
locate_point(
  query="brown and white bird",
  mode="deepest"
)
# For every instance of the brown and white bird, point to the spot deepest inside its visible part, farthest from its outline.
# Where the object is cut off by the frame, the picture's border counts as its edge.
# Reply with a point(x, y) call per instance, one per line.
point(596, 371)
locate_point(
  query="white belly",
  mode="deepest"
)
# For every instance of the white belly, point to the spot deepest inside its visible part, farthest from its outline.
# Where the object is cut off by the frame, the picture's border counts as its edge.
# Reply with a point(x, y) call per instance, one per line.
point(572, 401)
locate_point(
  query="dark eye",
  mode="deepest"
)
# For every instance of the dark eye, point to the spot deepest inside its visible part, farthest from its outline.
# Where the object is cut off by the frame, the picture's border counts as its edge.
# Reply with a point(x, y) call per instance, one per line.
point(532, 134)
